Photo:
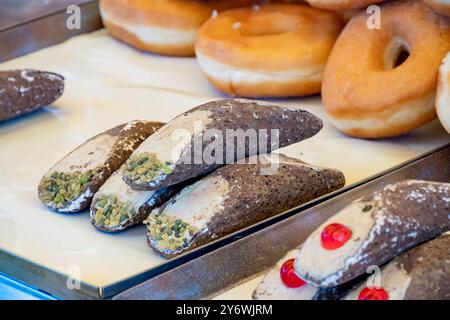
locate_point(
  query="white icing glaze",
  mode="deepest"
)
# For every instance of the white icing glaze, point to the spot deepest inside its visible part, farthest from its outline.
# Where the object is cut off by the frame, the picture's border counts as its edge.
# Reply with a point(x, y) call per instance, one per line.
point(273, 288)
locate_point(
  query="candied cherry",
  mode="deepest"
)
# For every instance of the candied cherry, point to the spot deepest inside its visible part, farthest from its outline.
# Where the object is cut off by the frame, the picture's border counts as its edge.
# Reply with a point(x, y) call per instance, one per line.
point(288, 276)
point(335, 235)
point(373, 294)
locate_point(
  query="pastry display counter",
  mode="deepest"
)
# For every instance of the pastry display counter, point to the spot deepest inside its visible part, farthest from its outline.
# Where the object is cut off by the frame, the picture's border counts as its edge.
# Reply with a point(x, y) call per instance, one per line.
point(108, 83)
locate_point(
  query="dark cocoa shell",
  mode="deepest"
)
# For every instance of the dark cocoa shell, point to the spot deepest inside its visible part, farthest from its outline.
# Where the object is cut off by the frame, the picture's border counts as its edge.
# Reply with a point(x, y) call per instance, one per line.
point(24, 91)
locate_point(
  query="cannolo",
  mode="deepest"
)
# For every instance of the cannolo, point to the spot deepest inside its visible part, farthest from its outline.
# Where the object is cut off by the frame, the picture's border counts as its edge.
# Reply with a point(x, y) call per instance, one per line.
point(373, 230)
point(204, 139)
point(23, 91)
point(72, 182)
point(116, 206)
point(234, 197)
point(423, 273)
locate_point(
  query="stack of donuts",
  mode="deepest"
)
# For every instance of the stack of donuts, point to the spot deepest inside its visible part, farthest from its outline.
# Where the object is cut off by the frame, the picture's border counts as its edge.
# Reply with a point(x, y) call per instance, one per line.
point(376, 64)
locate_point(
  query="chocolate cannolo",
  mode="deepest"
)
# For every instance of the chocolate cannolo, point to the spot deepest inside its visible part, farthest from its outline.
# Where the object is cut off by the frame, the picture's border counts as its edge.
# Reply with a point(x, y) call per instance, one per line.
point(209, 138)
point(234, 197)
point(24, 91)
point(72, 182)
point(422, 273)
point(373, 230)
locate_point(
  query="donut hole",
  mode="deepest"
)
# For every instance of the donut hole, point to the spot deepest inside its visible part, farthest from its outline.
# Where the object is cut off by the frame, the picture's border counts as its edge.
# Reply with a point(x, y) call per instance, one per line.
point(402, 56)
point(397, 52)
point(264, 26)
point(251, 32)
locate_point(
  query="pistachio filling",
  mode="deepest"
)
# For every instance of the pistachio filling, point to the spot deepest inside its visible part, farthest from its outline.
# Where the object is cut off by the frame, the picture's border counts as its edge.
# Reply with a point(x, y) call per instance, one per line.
point(111, 212)
point(168, 233)
point(60, 188)
point(146, 167)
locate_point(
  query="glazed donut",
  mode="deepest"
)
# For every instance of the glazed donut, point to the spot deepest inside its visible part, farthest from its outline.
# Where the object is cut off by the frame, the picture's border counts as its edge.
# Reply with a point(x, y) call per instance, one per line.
point(443, 94)
point(342, 4)
point(367, 91)
point(165, 27)
point(275, 50)
point(440, 6)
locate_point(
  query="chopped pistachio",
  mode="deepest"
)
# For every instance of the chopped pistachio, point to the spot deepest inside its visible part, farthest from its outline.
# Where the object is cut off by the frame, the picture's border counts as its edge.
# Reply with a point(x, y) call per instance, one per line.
point(111, 212)
point(60, 188)
point(145, 167)
point(169, 233)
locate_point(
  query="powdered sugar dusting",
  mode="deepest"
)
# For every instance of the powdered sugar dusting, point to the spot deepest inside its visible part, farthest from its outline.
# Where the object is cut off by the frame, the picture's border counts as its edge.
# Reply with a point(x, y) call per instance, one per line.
point(24, 74)
point(416, 196)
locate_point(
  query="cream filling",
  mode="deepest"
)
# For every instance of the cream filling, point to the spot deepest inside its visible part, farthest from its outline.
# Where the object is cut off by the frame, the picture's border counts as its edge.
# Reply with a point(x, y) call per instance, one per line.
point(89, 155)
point(443, 98)
point(393, 279)
point(406, 113)
point(154, 35)
point(235, 76)
point(325, 265)
point(199, 202)
point(273, 288)
point(169, 142)
point(195, 205)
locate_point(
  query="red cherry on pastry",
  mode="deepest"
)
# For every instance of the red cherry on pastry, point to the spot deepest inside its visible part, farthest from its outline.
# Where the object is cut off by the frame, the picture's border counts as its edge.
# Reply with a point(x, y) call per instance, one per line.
point(373, 294)
point(335, 235)
point(288, 276)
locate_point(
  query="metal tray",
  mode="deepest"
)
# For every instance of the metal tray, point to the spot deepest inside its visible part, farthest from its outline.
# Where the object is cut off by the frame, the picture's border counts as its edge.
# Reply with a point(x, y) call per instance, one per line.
point(242, 260)
point(26, 27)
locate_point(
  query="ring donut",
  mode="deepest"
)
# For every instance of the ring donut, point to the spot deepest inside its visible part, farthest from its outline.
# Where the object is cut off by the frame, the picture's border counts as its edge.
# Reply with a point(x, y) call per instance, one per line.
point(342, 4)
point(165, 27)
point(443, 94)
point(274, 50)
point(440, 6)
point(367, 91)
